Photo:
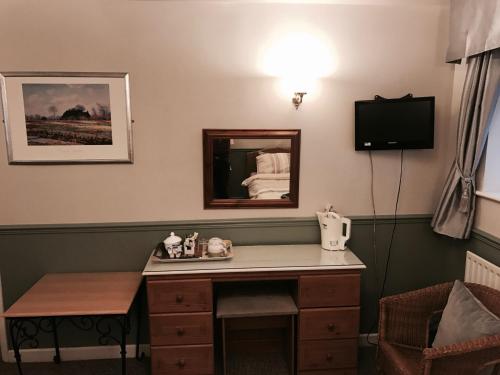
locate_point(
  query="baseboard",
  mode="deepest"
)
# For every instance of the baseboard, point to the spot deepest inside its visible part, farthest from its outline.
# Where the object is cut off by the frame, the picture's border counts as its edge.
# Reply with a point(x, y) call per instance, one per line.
point(76, 353)
point(84, 353)
point(368, 340)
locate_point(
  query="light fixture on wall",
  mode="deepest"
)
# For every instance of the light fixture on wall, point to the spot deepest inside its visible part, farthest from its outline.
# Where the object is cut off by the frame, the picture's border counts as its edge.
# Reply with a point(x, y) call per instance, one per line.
point(297, 99)
point(299, 59)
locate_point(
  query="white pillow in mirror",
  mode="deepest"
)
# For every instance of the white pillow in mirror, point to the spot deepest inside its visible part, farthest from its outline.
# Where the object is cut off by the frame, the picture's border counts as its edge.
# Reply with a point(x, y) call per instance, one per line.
point(273, 163)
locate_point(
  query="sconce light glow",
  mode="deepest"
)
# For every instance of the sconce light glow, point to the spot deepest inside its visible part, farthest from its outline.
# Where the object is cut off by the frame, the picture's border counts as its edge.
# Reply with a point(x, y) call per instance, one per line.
point(299, 60)
point(297, 55)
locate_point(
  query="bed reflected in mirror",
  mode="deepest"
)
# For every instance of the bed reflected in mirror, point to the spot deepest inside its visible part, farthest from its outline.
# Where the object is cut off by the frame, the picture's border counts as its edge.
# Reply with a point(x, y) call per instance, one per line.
point(251, 168)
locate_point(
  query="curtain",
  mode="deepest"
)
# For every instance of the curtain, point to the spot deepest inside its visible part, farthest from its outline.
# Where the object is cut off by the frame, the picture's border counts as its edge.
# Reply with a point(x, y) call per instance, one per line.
point(474, 28)
point(455, 212)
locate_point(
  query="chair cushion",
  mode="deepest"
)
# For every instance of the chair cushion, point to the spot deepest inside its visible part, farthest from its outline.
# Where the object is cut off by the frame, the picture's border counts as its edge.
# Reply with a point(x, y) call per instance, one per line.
point(464, 318)
point(398, 360)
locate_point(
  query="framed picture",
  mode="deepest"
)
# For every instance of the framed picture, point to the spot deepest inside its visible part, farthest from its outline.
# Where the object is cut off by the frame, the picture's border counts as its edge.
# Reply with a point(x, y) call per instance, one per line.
point(67, 117)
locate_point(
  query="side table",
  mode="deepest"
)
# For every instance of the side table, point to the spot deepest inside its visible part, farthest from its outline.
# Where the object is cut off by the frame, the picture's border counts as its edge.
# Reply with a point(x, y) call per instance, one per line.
point(88, 301)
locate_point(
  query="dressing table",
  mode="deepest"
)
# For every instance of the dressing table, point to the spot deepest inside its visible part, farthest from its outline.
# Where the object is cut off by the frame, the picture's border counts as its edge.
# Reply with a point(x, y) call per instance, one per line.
point(325, 288)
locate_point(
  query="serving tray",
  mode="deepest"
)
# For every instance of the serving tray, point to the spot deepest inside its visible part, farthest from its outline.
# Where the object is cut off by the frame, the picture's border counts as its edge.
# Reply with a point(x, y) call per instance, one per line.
point(203, 258)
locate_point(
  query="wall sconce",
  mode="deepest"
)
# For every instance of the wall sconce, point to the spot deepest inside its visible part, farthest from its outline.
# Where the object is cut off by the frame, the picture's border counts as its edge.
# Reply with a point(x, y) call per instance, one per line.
point(299, 59)
point(297, 99)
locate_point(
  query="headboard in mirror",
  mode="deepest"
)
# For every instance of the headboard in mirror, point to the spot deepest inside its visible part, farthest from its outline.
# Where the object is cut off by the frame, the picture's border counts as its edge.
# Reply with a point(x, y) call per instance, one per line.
point(251, 168)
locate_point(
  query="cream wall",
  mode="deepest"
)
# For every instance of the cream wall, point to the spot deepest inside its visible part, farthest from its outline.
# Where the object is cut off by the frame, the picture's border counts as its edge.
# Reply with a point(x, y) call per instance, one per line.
point(195, 65)
point(487, 217)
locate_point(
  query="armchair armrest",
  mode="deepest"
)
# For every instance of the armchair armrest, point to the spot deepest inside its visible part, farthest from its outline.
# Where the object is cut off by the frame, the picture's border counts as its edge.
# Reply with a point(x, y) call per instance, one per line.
point(462, 358)
point(404, 318)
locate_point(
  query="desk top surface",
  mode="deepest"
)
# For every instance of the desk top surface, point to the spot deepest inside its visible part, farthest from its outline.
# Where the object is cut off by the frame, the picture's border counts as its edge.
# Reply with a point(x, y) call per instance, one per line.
point(264, 258)
point(78, 294)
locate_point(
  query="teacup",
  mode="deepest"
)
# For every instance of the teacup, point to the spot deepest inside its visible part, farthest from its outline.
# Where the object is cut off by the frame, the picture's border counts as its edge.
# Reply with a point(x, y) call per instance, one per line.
point(216, 247)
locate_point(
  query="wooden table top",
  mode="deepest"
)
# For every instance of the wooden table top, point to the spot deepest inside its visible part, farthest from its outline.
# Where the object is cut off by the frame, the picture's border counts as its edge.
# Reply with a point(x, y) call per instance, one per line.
point(78, 294)
point(263, 258)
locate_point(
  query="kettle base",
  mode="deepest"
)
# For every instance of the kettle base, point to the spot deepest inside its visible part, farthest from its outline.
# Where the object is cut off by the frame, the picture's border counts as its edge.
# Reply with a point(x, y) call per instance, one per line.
point(330, 249)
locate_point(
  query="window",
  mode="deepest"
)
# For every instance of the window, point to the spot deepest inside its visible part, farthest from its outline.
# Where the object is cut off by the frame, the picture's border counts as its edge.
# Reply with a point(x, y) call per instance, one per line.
point(490, 187)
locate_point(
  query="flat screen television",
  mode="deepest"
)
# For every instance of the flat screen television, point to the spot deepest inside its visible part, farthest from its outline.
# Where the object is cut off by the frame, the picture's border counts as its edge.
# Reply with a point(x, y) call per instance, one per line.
point(389, 124)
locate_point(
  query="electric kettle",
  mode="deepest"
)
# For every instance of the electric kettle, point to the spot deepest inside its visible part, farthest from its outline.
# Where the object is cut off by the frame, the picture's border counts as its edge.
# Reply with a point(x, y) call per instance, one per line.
point(332, 229)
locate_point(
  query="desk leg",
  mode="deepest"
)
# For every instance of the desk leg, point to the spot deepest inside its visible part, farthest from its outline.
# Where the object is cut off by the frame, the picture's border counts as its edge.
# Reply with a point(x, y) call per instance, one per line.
point(292, 345)
point(104, 328)
point(125, 325)
point(224, 356)
point(57, 357)
point(23, 331)
point(138, 354)
point(14, 328)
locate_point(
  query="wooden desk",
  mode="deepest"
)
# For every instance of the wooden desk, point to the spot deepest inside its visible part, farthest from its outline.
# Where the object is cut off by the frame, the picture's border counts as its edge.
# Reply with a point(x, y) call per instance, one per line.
point(327, 286)
point(87, 300)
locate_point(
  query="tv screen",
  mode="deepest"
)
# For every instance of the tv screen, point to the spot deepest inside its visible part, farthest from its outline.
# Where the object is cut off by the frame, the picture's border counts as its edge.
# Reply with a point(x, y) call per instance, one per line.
point(389, 124)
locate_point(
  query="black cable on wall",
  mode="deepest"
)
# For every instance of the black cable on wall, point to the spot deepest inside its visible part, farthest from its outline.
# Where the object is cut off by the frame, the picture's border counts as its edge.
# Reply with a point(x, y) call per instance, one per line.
point(374, 234)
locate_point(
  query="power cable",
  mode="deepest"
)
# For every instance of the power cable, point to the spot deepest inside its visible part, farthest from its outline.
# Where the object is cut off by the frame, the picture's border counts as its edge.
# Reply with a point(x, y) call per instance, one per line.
point(374, 239)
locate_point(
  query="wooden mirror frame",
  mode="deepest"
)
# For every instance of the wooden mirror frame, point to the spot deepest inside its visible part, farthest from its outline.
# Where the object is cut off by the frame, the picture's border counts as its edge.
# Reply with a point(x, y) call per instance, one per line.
point(208, 184)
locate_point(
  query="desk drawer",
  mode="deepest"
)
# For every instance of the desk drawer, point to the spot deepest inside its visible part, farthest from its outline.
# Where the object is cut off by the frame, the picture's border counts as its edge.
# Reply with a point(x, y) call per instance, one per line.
point(181, 329)
point(328, 354)
point(185, 360)
point(329, 291)
point(166, 296)
point(329, 323)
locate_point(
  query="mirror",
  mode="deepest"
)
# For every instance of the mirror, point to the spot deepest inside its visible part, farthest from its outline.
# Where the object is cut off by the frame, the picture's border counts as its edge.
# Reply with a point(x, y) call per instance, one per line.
point(251, 168)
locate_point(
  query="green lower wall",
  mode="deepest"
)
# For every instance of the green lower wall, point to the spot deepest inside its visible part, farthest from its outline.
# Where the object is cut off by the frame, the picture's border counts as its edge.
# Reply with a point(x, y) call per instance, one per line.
point(419, 256)
point(485, 246)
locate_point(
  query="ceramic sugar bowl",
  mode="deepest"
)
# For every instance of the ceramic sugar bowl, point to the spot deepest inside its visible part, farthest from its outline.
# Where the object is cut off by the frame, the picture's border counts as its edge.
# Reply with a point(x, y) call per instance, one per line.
point(173, 245)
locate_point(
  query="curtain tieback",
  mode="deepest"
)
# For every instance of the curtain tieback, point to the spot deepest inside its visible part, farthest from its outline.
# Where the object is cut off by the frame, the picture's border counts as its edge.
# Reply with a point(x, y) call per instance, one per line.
point(467, 192)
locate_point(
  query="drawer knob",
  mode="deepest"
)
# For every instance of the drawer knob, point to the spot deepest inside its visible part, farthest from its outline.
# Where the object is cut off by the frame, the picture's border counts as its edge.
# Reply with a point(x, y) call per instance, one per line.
point(181, 363)
point(181, 331)
point(331, 327)
point(329, 356)
point(179, 298)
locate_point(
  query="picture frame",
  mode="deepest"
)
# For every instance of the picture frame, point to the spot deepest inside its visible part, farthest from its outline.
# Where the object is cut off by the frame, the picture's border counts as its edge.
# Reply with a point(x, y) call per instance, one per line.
point(66, 118)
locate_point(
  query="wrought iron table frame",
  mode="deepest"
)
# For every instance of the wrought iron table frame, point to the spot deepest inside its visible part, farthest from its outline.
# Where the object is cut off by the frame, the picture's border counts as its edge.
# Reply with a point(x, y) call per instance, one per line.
point(24, 330)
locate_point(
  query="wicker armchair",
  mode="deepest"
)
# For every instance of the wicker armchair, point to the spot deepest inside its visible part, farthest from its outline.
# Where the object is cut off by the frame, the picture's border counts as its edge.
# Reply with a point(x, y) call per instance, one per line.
point(404, 335)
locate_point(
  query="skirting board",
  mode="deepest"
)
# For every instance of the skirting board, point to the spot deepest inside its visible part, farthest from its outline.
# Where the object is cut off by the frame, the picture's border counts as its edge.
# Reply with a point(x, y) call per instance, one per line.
point(77, 353)
point(368, 340)
point(113, 351)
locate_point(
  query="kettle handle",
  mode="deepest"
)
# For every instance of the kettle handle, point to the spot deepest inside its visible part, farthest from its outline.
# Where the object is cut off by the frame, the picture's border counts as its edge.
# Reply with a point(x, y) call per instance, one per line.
point(347, 223)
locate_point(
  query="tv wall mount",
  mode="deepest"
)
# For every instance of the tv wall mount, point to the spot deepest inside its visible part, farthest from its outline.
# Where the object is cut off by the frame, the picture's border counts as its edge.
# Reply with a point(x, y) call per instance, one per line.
point(407, 96)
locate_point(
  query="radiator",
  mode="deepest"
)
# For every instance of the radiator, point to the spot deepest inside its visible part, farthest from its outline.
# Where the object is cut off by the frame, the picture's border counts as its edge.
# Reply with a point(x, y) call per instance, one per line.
point(480, 271)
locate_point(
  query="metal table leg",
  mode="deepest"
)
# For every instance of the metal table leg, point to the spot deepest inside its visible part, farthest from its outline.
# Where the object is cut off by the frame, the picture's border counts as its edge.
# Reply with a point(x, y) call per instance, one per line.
point(123, 344)
point(14, 326)
point(140, 300)
point(57, 357)
point(104, 328)
point(25, 330)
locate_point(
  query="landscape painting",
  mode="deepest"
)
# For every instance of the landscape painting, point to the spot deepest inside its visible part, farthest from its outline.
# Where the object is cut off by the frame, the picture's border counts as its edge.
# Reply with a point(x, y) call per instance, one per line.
point(67, 114)
point(66, 117)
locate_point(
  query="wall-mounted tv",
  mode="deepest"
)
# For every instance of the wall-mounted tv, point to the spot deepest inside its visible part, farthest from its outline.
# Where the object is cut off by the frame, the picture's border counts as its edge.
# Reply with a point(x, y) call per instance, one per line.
point(390, 124)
